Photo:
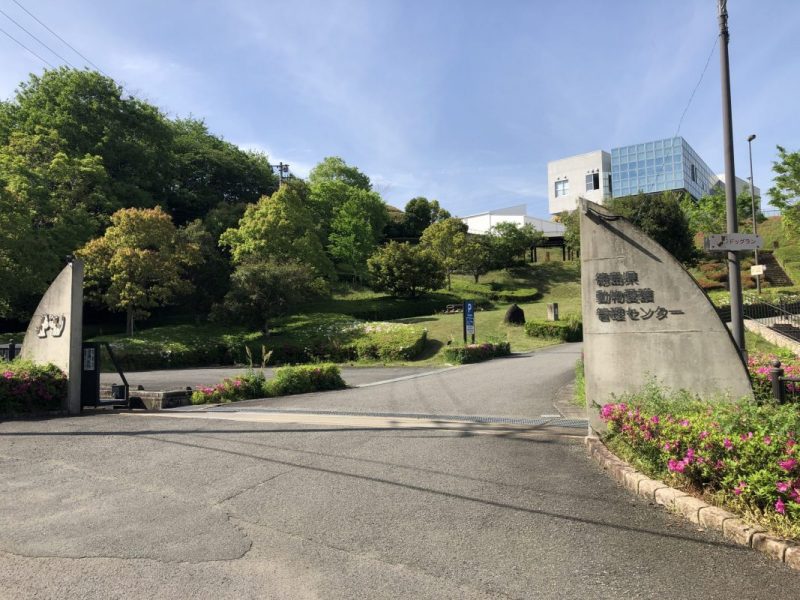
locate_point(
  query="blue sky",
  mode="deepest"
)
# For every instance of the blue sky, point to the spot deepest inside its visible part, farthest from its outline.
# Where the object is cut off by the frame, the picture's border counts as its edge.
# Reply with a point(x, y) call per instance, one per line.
point(461, 101)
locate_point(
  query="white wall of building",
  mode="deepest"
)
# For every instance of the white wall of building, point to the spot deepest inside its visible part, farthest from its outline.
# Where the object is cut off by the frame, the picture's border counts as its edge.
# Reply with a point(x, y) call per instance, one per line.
point(483, 222)
point(573, 170)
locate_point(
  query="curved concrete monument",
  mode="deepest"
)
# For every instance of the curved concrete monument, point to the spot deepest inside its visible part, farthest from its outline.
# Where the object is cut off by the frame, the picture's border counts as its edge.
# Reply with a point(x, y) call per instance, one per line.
point(644, 316)
point(55, 333)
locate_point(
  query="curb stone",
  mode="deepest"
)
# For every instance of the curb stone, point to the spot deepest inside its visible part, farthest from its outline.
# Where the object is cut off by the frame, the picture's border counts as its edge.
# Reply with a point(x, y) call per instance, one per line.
point(695, 510)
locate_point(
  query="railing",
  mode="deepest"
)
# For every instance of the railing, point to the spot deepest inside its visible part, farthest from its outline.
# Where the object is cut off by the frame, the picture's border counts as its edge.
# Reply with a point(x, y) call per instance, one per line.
point(783, 317)
point(10, 351)
point(783, 388)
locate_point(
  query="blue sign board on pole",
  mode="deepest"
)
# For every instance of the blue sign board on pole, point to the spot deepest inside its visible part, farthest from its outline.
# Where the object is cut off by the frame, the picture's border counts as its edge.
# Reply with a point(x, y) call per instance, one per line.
point(469, 319)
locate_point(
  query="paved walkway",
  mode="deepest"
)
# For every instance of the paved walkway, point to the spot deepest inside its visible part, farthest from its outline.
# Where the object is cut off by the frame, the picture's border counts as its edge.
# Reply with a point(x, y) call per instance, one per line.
point(241, 505)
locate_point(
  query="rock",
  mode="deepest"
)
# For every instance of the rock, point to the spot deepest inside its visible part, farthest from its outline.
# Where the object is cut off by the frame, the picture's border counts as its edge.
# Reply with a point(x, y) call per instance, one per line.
point(514, 315)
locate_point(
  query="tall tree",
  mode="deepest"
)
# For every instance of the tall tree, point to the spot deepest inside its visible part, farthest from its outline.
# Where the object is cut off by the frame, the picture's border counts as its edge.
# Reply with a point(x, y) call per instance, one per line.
point(446, 239)
point(785, 193)
point(476, 257)
point(279, 227)
point(420, 213)
point(709, 214)
point(92, 116)
point(140, 263)
point(333, 168)
point(660, 216)
point(356, 230)
point(510, 241)
point(210, 171)
point(404, 270)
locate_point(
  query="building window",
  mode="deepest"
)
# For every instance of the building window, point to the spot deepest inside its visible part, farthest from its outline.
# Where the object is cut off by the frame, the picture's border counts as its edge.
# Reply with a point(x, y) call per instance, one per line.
point(610, 189)
point(694, 173)
point(592, 181)
point(562, 188)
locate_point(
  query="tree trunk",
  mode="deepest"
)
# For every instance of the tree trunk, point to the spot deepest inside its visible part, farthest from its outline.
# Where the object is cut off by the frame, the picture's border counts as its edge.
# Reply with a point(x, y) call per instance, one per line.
point(449, 287)
point(476, 275)
point(129, 321)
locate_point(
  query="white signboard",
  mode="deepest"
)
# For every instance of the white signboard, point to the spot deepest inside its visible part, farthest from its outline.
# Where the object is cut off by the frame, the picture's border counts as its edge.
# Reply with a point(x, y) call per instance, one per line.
point(724, 242)
point(757, 270)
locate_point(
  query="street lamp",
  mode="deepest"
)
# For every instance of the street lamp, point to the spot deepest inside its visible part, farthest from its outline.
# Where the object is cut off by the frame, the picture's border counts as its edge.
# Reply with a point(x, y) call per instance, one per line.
point(750, 139)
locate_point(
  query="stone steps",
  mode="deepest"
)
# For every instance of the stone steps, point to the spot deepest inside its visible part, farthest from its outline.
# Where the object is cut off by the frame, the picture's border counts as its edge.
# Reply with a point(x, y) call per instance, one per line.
point(774, 273)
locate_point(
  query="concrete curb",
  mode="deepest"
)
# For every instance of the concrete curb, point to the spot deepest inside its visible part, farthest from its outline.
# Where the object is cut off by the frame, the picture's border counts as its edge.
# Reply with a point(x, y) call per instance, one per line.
point(695, 510)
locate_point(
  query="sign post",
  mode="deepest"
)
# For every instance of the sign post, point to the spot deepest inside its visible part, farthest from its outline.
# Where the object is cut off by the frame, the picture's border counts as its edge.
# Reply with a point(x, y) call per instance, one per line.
point(469, 320)
point(731, 242)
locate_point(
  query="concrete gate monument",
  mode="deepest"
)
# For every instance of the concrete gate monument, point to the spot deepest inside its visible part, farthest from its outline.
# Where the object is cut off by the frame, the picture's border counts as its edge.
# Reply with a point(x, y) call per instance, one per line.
point(644, 316)
point(55, 333)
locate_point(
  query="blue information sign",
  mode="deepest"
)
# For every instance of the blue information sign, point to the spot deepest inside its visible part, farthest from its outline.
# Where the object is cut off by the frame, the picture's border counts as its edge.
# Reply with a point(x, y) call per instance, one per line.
point(469, 318)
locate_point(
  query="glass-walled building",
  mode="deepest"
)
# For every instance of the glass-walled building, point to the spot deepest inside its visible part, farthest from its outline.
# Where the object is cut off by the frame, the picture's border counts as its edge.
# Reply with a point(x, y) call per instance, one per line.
point(669, 164)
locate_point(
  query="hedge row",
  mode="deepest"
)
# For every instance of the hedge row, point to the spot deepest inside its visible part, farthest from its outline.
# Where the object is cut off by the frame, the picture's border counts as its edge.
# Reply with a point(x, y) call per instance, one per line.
point(26, 388)
point(569, 330)
point(300, 379)
point(472, 353)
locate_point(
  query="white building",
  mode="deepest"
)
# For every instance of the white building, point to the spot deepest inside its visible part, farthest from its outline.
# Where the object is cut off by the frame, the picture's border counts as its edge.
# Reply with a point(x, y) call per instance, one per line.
point(483, 222)
point(581, 176)
point(741, 185)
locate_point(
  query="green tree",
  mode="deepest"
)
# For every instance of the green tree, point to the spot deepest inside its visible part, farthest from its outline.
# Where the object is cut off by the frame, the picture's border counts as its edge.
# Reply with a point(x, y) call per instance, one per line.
point(709, 214)
point(264, 289)
point(785, 192)
point(63, 201)
point(421, 213)
point(140, 263)
point(209, 171)
point(446, 239)
point(210, 276)
point(356, 230)
point(572, 229)
point(660, 216)
point(90, 115)
point(278, 228)
point(509, 241)
point(333, 168)
point(404, 270)
point(476, 256)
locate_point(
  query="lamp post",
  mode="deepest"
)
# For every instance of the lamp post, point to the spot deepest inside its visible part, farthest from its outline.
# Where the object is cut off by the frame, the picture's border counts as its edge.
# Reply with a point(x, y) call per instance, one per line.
point(750, 139)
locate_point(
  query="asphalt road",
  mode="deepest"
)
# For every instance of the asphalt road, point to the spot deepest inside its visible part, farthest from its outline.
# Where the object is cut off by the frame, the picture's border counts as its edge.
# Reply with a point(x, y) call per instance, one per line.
point(139, 506)
point(180, 378)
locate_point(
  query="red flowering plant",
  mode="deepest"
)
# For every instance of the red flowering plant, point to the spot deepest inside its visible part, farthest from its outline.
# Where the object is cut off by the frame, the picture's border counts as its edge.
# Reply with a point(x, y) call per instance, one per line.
point(28, 388)
point(244, 387)
point(738, 454)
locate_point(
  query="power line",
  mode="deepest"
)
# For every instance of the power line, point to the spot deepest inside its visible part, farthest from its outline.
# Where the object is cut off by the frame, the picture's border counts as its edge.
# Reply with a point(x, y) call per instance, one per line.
point(710, 54)
point(36, 38)
point(28, 49)
point(70, 46)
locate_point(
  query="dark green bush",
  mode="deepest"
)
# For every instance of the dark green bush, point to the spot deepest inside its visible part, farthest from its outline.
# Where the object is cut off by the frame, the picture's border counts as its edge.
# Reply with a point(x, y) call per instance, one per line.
point(472, 353)
point(302, 379)
point(568, 330)
point(26, 388)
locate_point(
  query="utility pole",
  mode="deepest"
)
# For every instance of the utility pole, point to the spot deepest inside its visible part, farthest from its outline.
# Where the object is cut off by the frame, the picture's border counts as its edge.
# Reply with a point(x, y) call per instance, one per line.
point(734, 276)
point(750, 139)
point(283, 172)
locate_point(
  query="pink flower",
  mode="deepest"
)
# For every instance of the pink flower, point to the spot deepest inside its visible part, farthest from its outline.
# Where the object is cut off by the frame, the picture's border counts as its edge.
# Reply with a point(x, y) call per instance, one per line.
point(8, 374)
point(767, 440)
point(780, 507)
point(676, 466)
point(744, 437)
point(739, 488)
point(654, 419)
point(783, 486)
point(689, 456)
point(685, 423)
point(788, 464)
point(727, 443)
point(667, 447)
point(704, 434)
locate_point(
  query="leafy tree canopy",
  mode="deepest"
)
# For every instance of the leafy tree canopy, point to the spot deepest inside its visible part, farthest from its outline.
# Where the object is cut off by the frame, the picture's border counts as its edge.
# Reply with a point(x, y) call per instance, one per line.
point(510, 241)
point(139, 263)
point(446, 239)
point(709, 214)
point(660, 216)
point(333, 168)
point(279, 227)
point(356, 230)
point(404, 270)
point(420, 213)
point(785, 193)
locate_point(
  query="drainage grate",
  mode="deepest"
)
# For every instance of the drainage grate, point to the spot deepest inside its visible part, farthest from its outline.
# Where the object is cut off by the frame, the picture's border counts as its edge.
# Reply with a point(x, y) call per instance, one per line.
point(553, 422)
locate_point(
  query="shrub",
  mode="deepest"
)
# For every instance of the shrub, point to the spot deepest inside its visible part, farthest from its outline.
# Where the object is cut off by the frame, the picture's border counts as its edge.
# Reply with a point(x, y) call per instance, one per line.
point(303, 379)
point(245, 387)
point(568, 330)
point(579, 396)
point(742, 455)
point(759, 365)
point(27, 388)
point(472, 353)
point(406, 271)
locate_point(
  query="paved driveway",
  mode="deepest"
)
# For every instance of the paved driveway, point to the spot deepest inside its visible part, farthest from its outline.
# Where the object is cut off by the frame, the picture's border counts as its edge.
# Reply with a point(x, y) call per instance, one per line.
point(141, 506)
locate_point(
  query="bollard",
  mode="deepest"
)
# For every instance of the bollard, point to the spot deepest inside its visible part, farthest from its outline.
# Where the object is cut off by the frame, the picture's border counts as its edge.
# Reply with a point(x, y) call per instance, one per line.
point(776, 376)
point(552, 312)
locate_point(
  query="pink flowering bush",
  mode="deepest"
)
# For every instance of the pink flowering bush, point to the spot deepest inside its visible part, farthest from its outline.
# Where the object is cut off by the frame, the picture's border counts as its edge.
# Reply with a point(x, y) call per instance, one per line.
point(742, 455)
point(760, 364)
point(287, 380)
point(27, 388)
point(472, 353)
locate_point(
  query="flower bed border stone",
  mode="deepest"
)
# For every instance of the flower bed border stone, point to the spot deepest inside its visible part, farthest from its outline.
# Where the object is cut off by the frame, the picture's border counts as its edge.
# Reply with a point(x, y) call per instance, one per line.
point(695, 510)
